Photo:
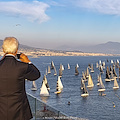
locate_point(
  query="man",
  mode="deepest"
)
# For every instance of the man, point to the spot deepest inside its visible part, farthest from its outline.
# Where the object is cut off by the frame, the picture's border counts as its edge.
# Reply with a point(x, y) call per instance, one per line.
point(14, 104)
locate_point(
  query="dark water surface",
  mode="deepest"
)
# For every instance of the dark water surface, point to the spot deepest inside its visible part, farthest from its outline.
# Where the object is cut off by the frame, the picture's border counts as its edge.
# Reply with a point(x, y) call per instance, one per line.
point(94, 107)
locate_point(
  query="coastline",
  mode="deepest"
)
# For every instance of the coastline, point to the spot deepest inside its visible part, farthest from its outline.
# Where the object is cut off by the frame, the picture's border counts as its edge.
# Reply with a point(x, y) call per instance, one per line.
point(38, 53)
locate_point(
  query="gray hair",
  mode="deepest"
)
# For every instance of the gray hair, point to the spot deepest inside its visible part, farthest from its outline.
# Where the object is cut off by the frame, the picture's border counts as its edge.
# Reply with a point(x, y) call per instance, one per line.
point(10, 45)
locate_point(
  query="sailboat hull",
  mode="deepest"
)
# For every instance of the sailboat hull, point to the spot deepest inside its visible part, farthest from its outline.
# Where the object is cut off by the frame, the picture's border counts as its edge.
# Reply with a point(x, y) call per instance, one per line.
point(84, 95)
point(58, 92)
point(116, 87)
point(34, 89)
point(45, 95)
point(89, 86)
point(101, 90)
point(107, 80)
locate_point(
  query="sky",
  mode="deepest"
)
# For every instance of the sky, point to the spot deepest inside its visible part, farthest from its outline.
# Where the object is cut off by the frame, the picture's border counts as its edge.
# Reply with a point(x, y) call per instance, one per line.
point(53, 24)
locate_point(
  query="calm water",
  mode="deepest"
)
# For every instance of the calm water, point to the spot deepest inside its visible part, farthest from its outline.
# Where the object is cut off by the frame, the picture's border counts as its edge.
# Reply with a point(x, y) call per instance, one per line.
point(94, 107)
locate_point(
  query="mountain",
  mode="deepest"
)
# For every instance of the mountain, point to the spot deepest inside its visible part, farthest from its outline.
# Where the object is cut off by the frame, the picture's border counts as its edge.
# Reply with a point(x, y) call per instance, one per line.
point(109, 48)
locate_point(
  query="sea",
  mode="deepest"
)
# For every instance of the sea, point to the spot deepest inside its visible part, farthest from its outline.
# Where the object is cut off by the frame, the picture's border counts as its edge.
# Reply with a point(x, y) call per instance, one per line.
point(93, 107)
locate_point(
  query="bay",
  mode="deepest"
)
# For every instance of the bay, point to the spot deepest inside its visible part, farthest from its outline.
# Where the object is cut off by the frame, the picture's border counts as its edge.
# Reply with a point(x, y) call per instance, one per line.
point(93, 107)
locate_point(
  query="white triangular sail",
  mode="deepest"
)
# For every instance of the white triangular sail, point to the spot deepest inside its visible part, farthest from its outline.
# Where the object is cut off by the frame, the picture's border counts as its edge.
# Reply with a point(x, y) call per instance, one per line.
point(44, 90)
point(116, 86)
point(62, 67)
point(55, 71)
point(68, 66)
point(101, 86)
point(52, 65)
point(34, 87)
point(87, 73)
point(49, 71)
point(77, 65)
point(59, 86)
point(59, 83)
point(46, 82)
point(90, 81)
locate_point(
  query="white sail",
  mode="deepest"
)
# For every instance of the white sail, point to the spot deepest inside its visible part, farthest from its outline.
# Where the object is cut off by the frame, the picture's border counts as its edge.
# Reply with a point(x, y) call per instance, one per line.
point(90, 82)
point(77, 65)
point(62, 67)
point(34, 87)
point(92, 70)
point(55, 71)
point(60, 83)
point(46, 71)
point(87, 73)
point(101, 86)
point(68, 66)
point(52, 65)
point(116, 86)
point(49, 71)
point(112, 61)
point(59, 86)
point(97, 65)
point(46, 82)
point(44, 91)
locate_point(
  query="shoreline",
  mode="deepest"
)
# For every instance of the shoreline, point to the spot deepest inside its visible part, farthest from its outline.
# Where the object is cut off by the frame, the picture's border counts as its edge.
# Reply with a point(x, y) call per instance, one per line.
point(38, 53)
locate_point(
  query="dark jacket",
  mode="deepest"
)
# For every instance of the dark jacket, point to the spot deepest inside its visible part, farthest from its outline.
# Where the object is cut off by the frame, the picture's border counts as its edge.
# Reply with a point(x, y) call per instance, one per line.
point(14, 104)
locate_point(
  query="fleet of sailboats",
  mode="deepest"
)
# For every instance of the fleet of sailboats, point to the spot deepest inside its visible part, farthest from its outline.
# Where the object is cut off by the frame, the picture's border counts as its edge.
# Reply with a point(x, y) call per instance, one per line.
point(86, 77)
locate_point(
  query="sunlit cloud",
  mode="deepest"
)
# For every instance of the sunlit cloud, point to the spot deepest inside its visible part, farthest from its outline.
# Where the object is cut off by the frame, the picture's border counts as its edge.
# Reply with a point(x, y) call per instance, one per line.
point(34, 11)
point(111, 7)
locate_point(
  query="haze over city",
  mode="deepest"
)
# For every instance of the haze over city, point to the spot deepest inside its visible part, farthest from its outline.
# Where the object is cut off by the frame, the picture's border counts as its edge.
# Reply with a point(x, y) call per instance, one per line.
point(54, 23)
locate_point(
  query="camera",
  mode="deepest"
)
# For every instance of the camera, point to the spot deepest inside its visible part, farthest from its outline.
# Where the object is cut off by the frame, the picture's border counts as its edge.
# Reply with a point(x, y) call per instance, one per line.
point(18, 55)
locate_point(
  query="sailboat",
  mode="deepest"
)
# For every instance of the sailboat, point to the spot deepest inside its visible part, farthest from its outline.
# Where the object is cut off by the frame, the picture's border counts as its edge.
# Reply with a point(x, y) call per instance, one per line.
point(55, 71)
point(101, 86)
point(101, 69)
point(49, 71)
point(114, 72)
point(83, 76)
point(76, 71)
point(46, 71)
point(107, 79)
point(98, 80)
point(68, 66)
point(116, 86)
point(84, 91)
point(90, 82)
point(92, 70)
point(44, 90)
point(87, 73)
point(77, 65)
point(60, 70)
point(62, 67)
point(82, 83)
point(34, 87)
point(52, 65)
point(46, 83)
point(97, 65)
point(59, 86)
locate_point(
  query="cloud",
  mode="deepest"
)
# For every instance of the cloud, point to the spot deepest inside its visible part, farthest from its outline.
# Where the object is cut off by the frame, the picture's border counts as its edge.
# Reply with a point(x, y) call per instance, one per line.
point(34, 11)
point(111, 7)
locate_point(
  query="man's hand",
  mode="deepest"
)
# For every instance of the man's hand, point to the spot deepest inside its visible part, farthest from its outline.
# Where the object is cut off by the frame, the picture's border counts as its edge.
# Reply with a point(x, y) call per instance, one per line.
point(24, 58)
